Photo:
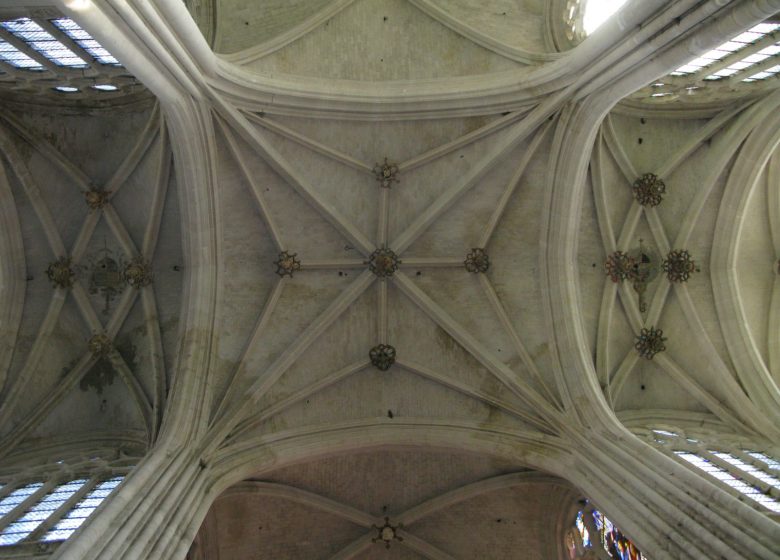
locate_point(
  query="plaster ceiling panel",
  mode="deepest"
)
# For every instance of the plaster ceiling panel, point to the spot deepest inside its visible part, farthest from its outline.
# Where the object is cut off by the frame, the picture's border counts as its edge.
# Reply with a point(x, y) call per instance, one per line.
point(611, 189)
point(699, 287)
point(38, 289)
point(78, 135)
point(137, 345)
point(302, 229)
point(649, 387)
point(247, 265)
point(344, 343)
point(303, 298)
point(135, 200)
point(466, 223)
point(168, 269)
point(756, 266)
point(499, 524)
point(650, 146)
point(99, 271)
point(58, 191)
point(394, 396)
point(382, 40)
point(420, 341)
point(514, 269)
point(371, 141)
point(52, 361)
point(389, 481)
point(616, 335)
point(590, 268)
point(519, 23)
point(100, 402)
point(421, 187)
point(352, 192)
point(462, 295)
point(242, 24)
point(266, 527)
point(685, 346)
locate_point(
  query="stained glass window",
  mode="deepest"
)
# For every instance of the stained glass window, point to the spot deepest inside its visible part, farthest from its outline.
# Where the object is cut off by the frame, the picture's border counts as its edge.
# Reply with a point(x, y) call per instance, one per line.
point(607, 536)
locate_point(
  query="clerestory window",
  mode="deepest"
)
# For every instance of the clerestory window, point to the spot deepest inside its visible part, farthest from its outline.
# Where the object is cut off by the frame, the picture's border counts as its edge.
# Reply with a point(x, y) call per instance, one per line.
point(51, 511)
point(56, 55)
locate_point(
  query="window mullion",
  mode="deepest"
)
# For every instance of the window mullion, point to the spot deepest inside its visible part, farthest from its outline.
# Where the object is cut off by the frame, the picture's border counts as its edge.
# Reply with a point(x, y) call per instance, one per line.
point(768, 40)
point(27, 503)
point(38, 57)
point(77, 49)
point(61, 511)
point(737, 472)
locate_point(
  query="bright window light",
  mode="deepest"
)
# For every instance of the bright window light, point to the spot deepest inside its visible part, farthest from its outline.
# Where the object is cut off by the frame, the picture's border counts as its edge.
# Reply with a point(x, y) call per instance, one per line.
point(736, 44)
point(43, 42)
point(26, 524)
point(79, 514)
point(85, 41)
point(728, 479)
point(17, 58)
point(599, 11)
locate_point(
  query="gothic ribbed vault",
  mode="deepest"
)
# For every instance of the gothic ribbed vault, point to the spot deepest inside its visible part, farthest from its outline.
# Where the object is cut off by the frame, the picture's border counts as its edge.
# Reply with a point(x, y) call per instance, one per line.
point(370, 239)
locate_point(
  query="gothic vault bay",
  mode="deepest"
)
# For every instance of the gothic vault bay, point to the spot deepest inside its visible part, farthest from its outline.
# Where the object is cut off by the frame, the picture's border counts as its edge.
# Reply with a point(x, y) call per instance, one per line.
point(402, 279)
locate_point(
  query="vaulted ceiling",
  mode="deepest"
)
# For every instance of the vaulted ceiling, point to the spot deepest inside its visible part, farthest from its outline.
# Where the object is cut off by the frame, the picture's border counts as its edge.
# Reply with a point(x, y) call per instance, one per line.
point(260, 214)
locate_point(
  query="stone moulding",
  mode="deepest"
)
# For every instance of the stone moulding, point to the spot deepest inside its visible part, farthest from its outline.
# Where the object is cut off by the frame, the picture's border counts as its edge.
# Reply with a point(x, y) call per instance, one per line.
point(382, 356)
point(287, 264)
point(100, 345)
point(649, 190)
point(386, 173)
point(649, 342)
point(138, 273)
point(678, 265)
point(383, 262)
point(387, 533)
point(477, 261)
point(60, 273)
point(96, 199)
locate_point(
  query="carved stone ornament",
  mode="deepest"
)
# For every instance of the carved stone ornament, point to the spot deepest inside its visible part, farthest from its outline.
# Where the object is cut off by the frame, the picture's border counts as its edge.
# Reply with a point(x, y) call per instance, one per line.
point(387, 533)
point(96, 199)
point(287, 264)
point(619, 266)
point(60, 273)
point(382, 356)
point(386, 173)
point(105, 269)
point(100, 345)
point(138, 273)
point(383, 262)
point(650, 342)
point(477, 261)
point(678, 265)
point(649, 190)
